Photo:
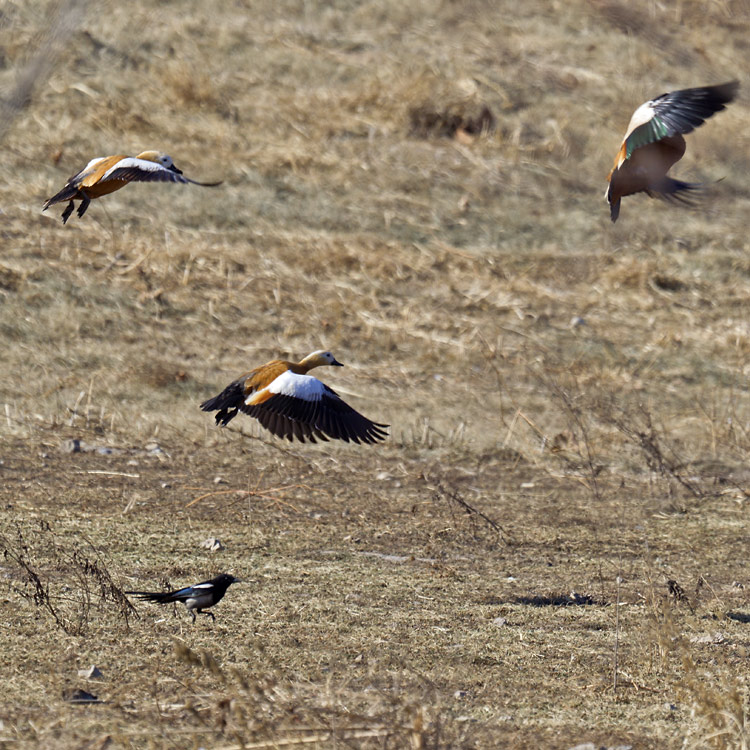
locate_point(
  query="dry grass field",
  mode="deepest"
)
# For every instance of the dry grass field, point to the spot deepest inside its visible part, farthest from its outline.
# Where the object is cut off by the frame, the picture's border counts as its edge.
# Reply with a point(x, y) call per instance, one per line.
point(548, 550)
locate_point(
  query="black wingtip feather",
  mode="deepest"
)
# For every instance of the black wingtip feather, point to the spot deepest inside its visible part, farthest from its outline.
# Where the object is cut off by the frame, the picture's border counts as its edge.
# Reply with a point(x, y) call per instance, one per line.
point(295, 419)
point(684, 110)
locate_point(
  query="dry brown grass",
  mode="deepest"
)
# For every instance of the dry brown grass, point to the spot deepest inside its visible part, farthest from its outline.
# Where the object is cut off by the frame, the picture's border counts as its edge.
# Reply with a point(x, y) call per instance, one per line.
point(568, 399)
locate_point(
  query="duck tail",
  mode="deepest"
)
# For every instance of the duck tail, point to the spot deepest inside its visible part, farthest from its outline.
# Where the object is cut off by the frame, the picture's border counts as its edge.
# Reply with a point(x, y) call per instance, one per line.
point(227, 403)
point(68, 193)
point(677, 191)
point(614, 205)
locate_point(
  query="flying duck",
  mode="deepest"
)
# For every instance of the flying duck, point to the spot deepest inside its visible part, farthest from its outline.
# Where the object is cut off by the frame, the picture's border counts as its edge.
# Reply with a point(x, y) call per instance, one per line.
point(109, 173)
point(292, 404)
point(196, 598)
point(654, 142)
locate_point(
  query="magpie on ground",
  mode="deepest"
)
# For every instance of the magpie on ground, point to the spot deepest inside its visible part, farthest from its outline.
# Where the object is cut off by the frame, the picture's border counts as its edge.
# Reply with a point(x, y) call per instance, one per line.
point(196, 598)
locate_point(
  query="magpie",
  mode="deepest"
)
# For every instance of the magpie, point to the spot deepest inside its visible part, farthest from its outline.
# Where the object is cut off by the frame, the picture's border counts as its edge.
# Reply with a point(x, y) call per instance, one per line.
point(196, 598)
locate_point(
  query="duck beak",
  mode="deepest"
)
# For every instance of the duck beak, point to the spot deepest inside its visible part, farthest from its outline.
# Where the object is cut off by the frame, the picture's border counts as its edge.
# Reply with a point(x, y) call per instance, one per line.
point(174, 169)
point(336, 363)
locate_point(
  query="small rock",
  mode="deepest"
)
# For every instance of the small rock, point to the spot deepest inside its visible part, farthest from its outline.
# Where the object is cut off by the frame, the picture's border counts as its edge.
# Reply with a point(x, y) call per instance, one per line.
point(219, 480)
point(498, 622)
point(72, 446)
point(460, 694)
point(577, 322)
point(104, 450)
point(166, 486)
point(92, 673)
point(154, 447)
point(527, 485)
point(585, 746)
point(716, 637)
point(212, 544)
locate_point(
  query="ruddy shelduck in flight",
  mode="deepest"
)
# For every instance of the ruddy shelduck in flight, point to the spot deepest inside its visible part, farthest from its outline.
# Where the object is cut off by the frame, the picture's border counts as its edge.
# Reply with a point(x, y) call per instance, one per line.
point(292, 404)
point(109, 173)
point(654, 142)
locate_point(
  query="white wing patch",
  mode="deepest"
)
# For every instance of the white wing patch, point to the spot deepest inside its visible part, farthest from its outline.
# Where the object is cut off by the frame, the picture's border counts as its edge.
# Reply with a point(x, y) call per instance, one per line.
point(132, 163)
point(305, 387)
point(207, 586)
point(641, 116)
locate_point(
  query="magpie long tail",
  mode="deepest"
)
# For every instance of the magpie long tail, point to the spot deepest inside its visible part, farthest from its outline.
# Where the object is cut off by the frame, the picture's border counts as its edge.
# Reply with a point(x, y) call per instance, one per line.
point(151, 596)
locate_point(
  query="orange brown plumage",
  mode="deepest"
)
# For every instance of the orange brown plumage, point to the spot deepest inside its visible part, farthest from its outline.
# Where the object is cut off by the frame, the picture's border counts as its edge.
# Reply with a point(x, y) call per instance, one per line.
point(106, 174)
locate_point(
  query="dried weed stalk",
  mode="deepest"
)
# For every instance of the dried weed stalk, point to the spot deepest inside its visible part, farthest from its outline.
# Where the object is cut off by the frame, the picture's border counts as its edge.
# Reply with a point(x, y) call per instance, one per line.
point(660, 455)
point(588, 416)
point(62, 22)
point(262, 711)
point(718, 710)
point(578, 425)
point(573, 446)
point(477, 518)
point(274, 495)
point(89, 582)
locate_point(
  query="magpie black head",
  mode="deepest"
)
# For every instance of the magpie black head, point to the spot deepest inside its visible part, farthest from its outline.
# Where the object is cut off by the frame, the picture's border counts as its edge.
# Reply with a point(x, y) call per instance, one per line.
point(225, 580)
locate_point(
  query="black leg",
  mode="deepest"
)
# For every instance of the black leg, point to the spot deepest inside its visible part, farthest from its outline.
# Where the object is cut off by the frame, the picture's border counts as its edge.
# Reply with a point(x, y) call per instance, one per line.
point(82, 208)
point(208, 614)
point(68, 211)
point(192, 614)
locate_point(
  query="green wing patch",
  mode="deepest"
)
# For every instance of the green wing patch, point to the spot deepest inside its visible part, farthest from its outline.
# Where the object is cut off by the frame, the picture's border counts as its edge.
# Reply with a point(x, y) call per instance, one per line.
point(654, 130)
